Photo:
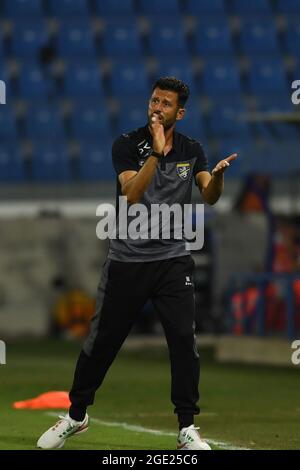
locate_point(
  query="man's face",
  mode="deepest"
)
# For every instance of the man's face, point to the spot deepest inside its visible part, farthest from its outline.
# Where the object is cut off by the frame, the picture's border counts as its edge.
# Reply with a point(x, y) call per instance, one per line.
point(165, 104)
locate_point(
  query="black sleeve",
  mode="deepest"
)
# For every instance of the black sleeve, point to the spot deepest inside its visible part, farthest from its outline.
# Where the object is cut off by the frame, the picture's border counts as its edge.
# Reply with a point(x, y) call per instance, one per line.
point(124, 155)
point(201, 160)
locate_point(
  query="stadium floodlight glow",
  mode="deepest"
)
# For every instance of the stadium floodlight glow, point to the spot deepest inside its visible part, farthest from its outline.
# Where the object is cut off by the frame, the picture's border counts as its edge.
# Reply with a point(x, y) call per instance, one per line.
point(2, 92)
point(296, 93)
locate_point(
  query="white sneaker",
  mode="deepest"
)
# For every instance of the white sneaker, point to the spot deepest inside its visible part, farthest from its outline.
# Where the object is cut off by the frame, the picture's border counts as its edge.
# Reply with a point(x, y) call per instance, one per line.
point(189, 439)
point(55, 437)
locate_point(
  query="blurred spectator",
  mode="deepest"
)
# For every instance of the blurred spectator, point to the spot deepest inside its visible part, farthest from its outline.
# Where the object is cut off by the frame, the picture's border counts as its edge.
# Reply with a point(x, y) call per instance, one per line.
point(254, 196)
point(72, 311)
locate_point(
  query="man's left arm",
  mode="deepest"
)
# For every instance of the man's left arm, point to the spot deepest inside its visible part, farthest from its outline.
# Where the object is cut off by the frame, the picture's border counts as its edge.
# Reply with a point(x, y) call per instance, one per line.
point(211, 185)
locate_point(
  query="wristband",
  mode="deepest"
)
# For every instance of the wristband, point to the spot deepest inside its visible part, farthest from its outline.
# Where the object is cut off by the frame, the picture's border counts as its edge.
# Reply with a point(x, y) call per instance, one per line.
point(157, 154)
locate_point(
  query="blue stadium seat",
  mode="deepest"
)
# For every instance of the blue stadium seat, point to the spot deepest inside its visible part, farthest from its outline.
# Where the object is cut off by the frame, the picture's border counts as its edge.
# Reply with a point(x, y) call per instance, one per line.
point(167, 38)
point(267, 76)
point(213, 37)
point(276, 131)
point(287, 156)
point(275, 106)
point(132, 114)
point(180, 68)
point(75, 39)
point(11, 164)
point(272, 159)
point(44, 121)
point(129, 79)
point(95, 162)
point(279, 103)
point(121, 39)
point(268, 161)
point(292, 37)
point(113, 8)
point(23, 8)
point(288, 6)
point(269, 158)
point(69, 8)
point(227, 118)
point(245, 162)
point(33, 82)
point(258, 37)
point(29, 37)
point(8, 129)
point(206, 7)
point(258, 7)
point(296, 73)
point(221, 77)
point(83, 79)
point(157, 7)
point(192, 123)
point(50, 162)
point(1, 48)
point(90, 120)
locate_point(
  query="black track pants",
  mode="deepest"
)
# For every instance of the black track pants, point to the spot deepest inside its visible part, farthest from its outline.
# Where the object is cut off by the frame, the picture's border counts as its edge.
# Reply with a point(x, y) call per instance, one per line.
point(122, 292)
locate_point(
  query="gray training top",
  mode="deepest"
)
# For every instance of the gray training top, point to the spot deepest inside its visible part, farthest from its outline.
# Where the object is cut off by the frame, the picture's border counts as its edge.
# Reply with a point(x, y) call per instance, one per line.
point(171, 183)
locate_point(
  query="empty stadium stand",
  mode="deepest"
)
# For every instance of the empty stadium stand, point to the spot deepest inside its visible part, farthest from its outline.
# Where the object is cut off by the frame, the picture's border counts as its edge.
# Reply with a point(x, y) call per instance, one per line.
point(78, 73)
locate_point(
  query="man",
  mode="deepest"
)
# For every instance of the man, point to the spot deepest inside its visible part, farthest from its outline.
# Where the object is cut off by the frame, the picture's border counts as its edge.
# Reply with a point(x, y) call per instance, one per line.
point(154, 164)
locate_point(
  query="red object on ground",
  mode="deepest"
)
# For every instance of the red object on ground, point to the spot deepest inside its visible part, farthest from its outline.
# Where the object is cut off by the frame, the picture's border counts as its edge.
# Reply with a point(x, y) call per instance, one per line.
point(45, 401)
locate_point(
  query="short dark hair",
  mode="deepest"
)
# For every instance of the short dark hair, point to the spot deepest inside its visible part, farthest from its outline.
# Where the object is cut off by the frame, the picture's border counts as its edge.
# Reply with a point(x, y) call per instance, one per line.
point(173, 84)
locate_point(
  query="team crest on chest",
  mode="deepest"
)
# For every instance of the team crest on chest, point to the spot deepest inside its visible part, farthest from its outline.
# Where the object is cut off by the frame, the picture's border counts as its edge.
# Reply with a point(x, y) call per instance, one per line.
point(183, 170)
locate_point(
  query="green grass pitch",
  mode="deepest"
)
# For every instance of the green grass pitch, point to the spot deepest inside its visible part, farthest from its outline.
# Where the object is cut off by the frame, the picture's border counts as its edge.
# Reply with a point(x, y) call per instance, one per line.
point(242, 406)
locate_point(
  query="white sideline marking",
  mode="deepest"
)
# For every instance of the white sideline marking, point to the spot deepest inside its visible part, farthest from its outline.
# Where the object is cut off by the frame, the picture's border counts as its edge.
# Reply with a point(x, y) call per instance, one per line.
point(141, 429)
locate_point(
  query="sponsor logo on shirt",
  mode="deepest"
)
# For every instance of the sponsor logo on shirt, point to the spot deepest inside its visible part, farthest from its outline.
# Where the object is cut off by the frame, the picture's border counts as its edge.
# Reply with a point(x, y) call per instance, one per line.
point(145, 150)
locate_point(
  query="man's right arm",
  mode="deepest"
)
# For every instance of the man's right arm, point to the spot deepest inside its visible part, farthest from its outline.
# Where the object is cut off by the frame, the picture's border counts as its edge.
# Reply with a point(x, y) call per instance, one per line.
point(134, 184)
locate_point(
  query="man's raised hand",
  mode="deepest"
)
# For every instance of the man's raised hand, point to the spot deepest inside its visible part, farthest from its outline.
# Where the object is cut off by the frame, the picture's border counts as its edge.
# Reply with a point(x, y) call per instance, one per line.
point(223, 164)
point(158, 134)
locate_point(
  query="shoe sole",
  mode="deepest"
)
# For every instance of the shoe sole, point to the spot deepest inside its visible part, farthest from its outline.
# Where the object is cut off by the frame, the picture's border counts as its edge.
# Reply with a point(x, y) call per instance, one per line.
point(185, 447)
